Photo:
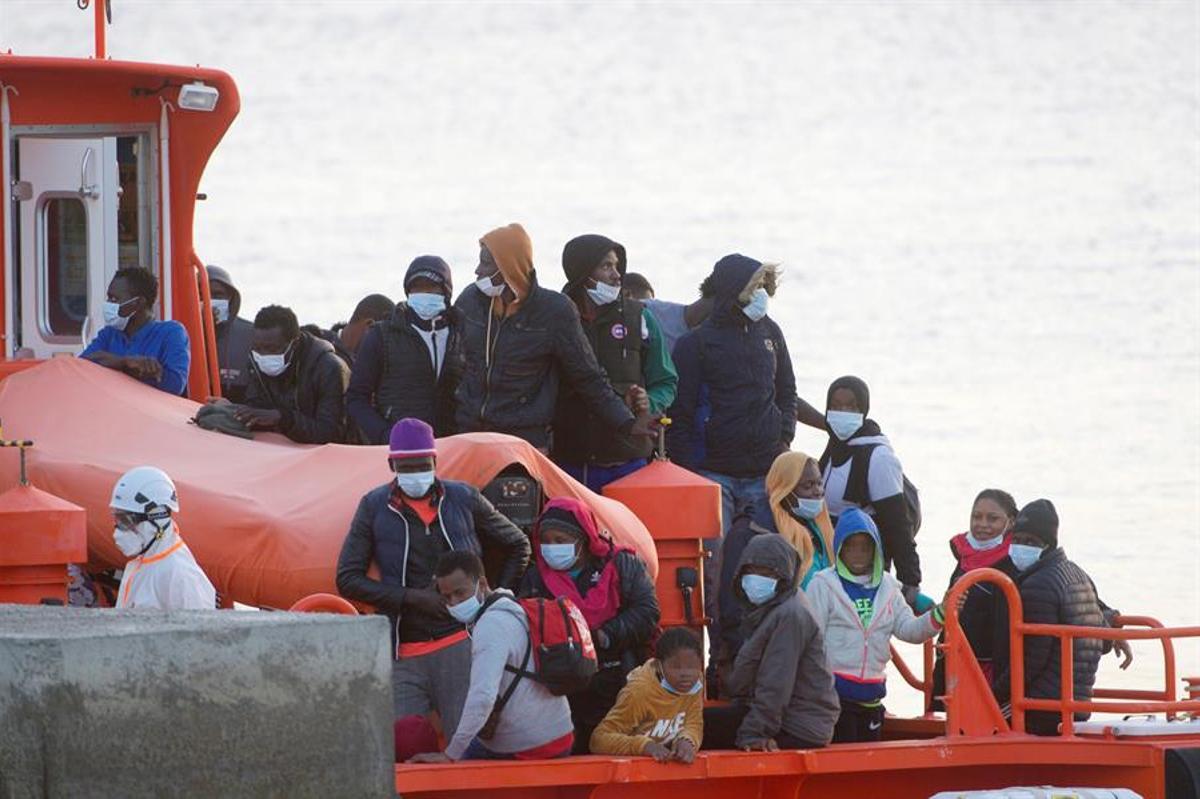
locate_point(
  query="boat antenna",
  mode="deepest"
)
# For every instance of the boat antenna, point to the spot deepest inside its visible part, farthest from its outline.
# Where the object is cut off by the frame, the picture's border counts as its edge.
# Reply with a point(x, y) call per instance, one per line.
point(103, 18)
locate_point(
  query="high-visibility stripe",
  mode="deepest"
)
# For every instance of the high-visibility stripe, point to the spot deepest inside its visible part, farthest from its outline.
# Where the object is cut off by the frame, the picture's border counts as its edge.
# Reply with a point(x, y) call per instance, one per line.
point(137, 567)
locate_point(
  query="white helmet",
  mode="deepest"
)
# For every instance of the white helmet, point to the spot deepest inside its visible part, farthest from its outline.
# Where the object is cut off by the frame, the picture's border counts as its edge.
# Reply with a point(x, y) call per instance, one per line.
point(146, 490)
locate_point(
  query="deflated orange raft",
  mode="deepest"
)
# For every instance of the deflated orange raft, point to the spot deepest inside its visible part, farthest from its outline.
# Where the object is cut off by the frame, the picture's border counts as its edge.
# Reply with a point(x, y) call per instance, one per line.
point(265, 518)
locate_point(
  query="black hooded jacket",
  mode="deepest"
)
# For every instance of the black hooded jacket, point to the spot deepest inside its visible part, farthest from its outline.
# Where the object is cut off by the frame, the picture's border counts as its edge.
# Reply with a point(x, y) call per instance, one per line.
point(735, 409)
point(234, 337)
point(309, 394)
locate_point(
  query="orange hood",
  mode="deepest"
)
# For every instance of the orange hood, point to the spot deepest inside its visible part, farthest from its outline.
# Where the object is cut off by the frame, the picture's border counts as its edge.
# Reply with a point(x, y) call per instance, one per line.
point(512, 249)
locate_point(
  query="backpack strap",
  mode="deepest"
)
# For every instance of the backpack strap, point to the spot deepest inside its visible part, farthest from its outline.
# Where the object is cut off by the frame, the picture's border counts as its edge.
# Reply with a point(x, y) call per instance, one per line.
point(857, 488)
point(519, 672)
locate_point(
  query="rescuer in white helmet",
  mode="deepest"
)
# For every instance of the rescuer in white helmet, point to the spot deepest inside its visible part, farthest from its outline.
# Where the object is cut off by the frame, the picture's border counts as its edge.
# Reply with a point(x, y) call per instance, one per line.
point(161, 572)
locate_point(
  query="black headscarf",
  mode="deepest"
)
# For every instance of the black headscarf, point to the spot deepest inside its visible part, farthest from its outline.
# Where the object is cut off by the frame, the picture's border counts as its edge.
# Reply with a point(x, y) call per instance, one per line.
point(837, 451)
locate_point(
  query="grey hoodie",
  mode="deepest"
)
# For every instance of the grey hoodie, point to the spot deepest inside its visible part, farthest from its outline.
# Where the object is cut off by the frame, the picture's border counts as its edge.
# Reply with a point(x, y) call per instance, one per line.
point(781, 670)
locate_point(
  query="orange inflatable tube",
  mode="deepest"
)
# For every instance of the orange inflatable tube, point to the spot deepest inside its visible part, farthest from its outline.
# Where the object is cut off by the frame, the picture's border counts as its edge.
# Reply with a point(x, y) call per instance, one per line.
point(265, 518)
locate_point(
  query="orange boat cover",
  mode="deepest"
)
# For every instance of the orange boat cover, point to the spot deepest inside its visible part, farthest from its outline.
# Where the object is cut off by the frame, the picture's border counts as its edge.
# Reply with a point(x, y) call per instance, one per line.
point(265, 518)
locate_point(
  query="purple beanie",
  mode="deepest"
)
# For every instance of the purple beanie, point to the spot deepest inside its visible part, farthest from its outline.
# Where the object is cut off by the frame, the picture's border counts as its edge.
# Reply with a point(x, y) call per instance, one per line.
point(411, 438)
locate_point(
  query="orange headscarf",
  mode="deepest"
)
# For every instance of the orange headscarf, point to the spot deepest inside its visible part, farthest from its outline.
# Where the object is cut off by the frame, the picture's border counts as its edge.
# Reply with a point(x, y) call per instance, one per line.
point(781, 479)
point(513, 252)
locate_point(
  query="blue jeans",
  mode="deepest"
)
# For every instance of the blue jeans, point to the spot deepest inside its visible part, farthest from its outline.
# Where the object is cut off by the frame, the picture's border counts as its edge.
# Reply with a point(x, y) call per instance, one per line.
point(597, 477)
point(738, 495)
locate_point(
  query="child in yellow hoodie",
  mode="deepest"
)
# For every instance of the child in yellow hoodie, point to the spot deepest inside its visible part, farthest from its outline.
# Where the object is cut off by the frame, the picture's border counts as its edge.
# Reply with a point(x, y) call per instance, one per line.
point(659, 712)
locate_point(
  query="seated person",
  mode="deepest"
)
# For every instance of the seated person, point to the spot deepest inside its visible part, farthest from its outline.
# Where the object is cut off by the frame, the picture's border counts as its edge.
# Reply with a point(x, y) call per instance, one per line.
point(611, 588)
point(1053, 591)
point(781, 683)
point(403, 527)
point(134, 342)
point(860, 607)
point(532, 724)
point(234, 334)
point(795, 510)
point(297, 382)
point(862, 471)
point(659, 711)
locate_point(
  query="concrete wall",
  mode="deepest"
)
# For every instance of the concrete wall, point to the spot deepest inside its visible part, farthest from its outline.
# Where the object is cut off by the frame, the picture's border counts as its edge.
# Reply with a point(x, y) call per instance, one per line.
point(215, 704)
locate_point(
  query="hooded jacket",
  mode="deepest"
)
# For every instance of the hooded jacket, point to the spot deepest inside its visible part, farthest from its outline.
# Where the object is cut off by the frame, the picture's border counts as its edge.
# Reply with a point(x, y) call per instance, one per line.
point(781, 670)
point(234, 337)
point(310, 394)
point(646, 712)
point(635, 623)
point(858, 652)
point(735, 409)
point(515, 354)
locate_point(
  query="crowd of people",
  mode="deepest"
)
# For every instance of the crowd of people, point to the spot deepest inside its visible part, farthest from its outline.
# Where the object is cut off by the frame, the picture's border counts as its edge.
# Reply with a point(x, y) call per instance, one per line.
point(814, 573)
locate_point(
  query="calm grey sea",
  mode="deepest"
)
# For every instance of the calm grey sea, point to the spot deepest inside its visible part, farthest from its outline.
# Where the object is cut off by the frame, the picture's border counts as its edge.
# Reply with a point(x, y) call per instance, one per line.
point(989, 211)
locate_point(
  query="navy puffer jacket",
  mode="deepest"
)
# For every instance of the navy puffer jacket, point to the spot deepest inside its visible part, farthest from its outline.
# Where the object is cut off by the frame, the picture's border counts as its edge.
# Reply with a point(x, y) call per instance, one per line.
point(1054, 591)
point(735, 409)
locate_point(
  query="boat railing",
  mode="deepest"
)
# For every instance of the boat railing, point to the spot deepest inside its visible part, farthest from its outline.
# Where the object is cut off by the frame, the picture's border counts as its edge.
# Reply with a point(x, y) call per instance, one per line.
point(971, 708)
point(924, 684)
point(209, 326)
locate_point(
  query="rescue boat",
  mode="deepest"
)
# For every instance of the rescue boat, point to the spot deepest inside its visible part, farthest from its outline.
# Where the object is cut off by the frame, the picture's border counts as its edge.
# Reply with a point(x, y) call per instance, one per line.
point(102, 161)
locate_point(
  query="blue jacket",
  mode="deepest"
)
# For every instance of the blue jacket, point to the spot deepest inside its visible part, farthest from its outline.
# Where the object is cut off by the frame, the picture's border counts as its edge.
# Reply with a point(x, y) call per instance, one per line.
point(735, 408)
point(166, 342)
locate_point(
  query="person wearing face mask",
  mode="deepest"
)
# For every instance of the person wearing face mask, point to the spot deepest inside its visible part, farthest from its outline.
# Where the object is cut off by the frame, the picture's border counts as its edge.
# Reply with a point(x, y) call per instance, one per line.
point(659, 713)
point(132, 341)
point(612, 589)
point(535, 724)
point(234, 334)
point(409, 365)
point(795, 511)
point(1054, 590)
point(860, 608)
point(404, 526)
point(629, 347)
point(161, 572)
point(519, 341)
point(861, 470)
point(297, 382)
point(782, 688)
point(735, 406)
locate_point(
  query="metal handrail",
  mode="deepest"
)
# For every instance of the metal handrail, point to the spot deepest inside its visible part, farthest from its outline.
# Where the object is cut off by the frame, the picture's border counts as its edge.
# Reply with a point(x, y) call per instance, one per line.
point(925, 685)
point(208, 325)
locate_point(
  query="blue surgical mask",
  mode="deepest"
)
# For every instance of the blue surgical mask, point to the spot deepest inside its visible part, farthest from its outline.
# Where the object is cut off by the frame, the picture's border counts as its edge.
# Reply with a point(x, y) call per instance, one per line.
point(757, 307)
point(489, 288)
point(1023, 555)
point(695, 689)
point(807, 508)
point(603, 293)
point(559, 557)
point(758, 588)
point(415, 484)
point(427, 306)
point(464, 612)
point(844, 423)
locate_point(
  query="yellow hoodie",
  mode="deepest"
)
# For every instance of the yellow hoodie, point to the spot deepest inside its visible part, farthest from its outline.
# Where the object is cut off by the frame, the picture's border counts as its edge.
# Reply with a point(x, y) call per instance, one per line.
point(644, 712)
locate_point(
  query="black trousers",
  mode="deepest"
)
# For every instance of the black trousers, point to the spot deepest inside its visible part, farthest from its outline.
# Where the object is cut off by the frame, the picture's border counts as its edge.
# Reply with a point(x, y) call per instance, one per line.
point(591, 705)
point(721, 725)
point(858, 723)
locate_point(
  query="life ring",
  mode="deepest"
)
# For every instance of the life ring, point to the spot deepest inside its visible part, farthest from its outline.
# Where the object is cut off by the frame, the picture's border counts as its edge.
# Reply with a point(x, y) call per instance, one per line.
point(324, 603)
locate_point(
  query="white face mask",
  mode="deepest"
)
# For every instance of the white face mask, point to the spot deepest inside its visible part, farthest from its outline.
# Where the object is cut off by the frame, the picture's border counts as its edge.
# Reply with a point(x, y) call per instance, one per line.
point(489, 288)
point(221, 310)
point(464, 612)
point(271, 365)
point(134, 542)
point(603, 293)
point(844, 423)
point(112, 314)
point(427, 306)
point(983, 544)
point(1023, 555)
point(757, 307)
point(415, 484)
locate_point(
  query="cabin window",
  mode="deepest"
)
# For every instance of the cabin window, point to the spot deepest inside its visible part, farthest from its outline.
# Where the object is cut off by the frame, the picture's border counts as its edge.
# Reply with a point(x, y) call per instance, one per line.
point(133, 205)
point(64, 221)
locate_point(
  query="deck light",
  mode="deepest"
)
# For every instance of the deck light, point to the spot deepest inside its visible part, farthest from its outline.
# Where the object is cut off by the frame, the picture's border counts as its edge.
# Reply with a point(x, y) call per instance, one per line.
point(198, 97)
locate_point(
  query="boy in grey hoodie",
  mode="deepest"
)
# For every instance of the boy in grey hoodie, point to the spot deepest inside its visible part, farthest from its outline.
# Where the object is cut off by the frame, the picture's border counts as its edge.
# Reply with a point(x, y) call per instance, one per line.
point(781, 683)
point(534, 723)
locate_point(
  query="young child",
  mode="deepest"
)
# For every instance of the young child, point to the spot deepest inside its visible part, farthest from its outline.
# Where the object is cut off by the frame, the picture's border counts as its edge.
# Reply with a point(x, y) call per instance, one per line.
point(659, 711)
point(860, 607)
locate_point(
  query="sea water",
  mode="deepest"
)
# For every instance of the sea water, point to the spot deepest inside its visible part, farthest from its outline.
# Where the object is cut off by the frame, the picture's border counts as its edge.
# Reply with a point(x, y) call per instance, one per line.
point(989, 211)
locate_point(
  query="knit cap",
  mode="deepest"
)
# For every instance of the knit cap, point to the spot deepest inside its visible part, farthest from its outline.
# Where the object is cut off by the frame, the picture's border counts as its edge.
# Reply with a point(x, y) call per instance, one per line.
point(430, 267)
point(411, 438)
point(1040, 519)
point(560, 519)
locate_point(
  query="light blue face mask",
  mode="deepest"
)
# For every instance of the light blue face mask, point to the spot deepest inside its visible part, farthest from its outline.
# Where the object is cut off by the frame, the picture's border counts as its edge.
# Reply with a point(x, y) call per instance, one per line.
point(695, 689)
point(464, 612)
point(1023, 555)
point(757, 307)
point(844, 423)
point(758, 588)
point(807, 508)
point(427, 306)
point(603, 293)
point(559, 557)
